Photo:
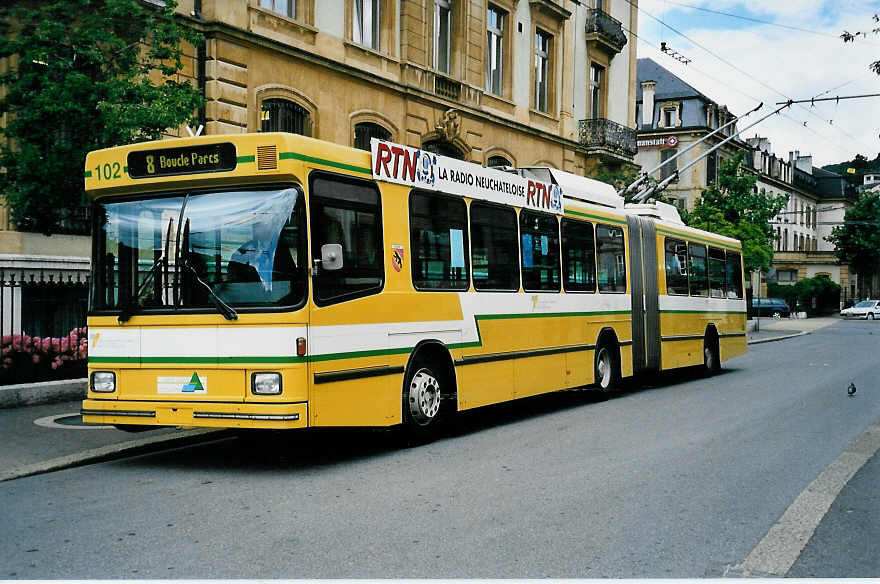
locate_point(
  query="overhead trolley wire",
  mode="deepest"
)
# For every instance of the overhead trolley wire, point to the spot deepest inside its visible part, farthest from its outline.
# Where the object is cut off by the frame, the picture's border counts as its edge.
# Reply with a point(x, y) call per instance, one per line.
point(767, 22)
point(745, 73)
point(795, 121)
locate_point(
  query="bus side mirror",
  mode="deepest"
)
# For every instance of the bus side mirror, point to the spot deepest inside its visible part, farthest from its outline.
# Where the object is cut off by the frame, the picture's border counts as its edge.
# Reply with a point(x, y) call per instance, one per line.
point(331, 256)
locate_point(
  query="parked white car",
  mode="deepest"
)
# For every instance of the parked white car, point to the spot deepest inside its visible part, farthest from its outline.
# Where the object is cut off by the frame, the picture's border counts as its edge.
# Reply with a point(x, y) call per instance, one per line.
point(866, 309)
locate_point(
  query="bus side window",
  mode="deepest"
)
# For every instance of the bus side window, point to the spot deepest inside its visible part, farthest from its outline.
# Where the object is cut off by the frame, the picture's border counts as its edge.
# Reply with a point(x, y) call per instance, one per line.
point(438, 237)
point(578, 256)
point(539, 234)
point(611, 259)
point(493, 248)
point(346, 211)
point(699, 273)
point(733, 281)
point(716, 272)
point(676, 267)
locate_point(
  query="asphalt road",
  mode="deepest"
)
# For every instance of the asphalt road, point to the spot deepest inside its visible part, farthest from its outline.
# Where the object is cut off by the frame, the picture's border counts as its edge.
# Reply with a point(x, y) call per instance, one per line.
point(680, 480)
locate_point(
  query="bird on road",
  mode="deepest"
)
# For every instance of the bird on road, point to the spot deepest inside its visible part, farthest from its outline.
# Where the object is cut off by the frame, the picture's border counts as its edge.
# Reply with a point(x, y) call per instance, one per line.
point(851, 390)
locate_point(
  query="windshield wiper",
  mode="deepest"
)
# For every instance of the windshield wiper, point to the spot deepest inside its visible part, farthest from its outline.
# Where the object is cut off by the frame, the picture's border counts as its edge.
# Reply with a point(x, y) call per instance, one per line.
point(227, 311)
point(134, 303)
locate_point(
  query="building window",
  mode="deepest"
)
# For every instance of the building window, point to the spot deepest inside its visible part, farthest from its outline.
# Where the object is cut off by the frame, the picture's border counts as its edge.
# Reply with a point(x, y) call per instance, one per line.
point(596, 79)
point(365, 131)
point(498, 161)
point(283, 7)
point(668, 117)
point(495, 49)
point(442, 13)
point(542, 60)
point(282, 115)
point(786, 276)
point(711, 168)
point(669, 167)
point(366, 23)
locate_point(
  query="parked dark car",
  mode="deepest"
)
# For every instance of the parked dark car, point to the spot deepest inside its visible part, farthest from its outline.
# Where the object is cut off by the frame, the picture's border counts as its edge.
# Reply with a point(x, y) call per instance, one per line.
point(775, 307)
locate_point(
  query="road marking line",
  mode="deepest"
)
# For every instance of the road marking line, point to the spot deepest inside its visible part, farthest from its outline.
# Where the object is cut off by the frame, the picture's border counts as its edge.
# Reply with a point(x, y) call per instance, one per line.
point(783, 544)
point(96, 454)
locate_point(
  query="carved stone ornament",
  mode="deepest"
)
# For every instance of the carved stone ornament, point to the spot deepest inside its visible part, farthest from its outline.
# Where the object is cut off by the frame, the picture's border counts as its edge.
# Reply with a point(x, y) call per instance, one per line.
point(449, 126)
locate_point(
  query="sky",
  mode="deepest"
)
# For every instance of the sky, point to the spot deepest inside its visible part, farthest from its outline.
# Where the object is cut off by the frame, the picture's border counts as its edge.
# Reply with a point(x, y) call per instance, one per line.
point(798, 54)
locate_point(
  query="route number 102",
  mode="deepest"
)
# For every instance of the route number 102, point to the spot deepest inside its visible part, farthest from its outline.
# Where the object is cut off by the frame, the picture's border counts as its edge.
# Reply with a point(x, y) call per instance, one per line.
point(108, 171)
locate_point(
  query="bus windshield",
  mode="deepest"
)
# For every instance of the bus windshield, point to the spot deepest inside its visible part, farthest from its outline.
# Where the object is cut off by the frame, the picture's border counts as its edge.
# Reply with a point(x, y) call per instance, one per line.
point(242, 248)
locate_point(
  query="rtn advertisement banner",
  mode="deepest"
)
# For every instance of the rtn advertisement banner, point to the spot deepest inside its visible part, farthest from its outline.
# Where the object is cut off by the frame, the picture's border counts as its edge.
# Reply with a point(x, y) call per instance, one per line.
point(419, 168)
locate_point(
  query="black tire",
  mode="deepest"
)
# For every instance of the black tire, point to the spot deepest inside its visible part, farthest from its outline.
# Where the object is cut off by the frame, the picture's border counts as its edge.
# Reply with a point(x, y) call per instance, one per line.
point(606, 368)
point(870, 316)
point(711, 355)
point(777, 314)
point(426, 398)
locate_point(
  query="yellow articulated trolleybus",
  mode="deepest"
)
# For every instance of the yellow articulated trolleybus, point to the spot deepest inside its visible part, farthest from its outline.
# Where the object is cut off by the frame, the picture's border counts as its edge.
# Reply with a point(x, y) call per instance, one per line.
point(276, 281)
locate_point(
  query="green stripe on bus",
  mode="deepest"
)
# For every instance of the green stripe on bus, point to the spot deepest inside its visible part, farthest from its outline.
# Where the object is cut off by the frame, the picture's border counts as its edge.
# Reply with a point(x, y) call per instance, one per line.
point(243, 159)
point(596, 217)
point(304, 158)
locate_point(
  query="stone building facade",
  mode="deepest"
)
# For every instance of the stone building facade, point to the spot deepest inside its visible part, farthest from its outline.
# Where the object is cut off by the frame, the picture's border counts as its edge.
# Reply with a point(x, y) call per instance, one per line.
point(671, 116)
point(516, 82)
point(817, 202)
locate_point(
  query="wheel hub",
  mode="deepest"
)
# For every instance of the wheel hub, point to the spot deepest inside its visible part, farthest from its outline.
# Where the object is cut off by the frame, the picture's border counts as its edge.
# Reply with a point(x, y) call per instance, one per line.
point(424, 397)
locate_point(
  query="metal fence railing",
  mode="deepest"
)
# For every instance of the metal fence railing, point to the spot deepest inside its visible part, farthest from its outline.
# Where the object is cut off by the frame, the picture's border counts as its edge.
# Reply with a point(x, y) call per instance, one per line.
point(42, 325)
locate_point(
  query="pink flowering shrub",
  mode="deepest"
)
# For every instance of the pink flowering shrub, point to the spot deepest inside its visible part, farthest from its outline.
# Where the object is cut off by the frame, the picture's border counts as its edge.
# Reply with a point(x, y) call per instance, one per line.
point(24, 358)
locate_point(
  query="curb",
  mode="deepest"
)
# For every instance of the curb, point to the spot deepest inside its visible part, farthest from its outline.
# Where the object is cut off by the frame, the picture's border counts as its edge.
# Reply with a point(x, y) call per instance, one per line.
point(113, 451)
point(45, 392)
point(779, 338)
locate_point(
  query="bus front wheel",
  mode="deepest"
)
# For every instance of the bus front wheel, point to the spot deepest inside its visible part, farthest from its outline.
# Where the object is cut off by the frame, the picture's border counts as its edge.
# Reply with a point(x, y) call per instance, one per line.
point(424, 392)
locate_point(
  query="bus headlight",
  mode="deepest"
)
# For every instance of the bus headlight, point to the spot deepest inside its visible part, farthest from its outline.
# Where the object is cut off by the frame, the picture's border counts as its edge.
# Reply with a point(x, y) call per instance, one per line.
point(104, 381)
point(266, 383)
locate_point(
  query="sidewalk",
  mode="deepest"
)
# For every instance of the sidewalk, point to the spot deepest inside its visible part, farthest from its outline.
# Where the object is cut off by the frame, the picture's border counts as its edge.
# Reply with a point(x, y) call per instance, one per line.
point(777, 329)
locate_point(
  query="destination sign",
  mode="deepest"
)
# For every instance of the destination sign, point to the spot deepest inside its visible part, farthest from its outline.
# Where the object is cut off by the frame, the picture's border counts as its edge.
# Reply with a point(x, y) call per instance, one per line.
point(184, 160)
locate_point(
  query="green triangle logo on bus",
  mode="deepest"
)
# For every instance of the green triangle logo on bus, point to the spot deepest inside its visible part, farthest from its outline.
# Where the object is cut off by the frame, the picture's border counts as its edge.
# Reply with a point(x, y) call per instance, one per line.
point(194, 385)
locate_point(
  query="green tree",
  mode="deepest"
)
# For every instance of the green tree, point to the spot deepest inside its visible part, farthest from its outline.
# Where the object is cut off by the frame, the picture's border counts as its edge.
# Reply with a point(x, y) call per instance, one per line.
point(857, 241)
point(85, 74)
point(850, 37)
point(733, 207)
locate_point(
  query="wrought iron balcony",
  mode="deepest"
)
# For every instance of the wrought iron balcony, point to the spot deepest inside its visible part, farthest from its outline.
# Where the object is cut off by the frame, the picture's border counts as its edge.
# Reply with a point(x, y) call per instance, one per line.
point(599, 133)
point(607, 30)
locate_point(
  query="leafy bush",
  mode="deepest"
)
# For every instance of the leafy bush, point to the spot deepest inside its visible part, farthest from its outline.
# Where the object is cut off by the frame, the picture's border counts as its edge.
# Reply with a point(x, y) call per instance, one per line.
point(817, 295)
point(24, 359)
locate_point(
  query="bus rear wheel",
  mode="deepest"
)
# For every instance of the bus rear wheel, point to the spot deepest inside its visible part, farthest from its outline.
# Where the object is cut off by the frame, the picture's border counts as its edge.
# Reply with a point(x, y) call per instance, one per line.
point(606, 369)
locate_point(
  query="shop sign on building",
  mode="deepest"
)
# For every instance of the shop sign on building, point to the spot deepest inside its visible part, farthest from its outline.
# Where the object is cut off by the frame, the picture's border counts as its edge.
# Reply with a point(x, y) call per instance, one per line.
point(658, 142)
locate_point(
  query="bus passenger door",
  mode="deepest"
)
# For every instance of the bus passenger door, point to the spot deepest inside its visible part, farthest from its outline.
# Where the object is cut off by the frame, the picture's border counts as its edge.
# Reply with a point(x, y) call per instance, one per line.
point(645, 300)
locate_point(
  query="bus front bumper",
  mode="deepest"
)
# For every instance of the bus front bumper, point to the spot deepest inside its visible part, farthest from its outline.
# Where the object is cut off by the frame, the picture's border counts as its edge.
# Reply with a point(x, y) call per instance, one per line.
point(210, 415)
